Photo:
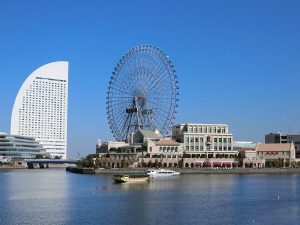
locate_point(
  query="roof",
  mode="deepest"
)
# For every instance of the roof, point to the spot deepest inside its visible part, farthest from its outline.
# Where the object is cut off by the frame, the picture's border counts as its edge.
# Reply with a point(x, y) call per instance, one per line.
point(167, 142)
point(274, 147)
point(150, 134)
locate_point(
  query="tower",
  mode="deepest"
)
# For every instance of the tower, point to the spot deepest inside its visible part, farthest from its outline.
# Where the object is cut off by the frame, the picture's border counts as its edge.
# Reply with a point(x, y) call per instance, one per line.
point(41, 108)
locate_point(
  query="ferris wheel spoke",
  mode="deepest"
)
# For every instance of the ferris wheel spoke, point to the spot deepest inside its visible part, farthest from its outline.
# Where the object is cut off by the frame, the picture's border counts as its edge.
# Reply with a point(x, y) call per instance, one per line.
point(160, 80)
point(123, 91)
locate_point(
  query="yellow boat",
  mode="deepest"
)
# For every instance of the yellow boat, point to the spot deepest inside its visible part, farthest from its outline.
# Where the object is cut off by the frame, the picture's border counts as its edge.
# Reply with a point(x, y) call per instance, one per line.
point(131, 177)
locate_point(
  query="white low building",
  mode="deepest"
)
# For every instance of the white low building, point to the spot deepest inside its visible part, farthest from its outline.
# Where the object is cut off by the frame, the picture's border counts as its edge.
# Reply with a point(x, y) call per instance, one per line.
point(209, 140)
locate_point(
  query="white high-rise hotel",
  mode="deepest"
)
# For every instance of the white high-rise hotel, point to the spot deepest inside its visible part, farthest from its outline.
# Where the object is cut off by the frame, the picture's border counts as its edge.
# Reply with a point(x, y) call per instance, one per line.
point(41, 107)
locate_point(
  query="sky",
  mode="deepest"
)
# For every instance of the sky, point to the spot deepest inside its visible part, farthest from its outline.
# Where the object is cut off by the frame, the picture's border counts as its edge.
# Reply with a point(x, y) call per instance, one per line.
point(237, 61)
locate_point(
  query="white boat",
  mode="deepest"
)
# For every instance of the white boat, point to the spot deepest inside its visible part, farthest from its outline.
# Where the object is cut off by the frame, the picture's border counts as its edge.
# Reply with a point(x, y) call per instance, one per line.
point(161, 172)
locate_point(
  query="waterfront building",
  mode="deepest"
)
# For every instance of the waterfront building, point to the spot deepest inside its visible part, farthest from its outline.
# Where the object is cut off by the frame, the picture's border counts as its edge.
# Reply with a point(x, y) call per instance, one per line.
point(205, 140)
point(279, 137)
point(41, 106)
point(284, 151)
point(19, 147)
point(105, 147)
point(166, 147)
point(269, 153)
point(247, 153)
point(144, 147)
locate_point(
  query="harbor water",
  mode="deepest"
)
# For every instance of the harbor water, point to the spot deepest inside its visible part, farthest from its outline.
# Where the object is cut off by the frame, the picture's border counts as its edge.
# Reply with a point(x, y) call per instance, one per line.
point(54, 196)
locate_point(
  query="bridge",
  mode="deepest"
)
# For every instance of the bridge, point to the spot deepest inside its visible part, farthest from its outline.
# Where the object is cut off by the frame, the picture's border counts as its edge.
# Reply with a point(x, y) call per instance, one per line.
point(44, 163)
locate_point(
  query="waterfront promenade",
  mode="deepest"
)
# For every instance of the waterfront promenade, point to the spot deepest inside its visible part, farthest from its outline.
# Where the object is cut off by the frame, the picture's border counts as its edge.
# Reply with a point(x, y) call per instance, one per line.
point(209, 171)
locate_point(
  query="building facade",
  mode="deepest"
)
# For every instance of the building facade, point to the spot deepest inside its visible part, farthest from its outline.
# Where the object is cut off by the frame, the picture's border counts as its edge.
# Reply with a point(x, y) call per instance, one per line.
point(284, 138)
point(105, 147)
point(41, 107)
point(165, 148)
point(275, 151)
point(210, 140)
point(19, 147)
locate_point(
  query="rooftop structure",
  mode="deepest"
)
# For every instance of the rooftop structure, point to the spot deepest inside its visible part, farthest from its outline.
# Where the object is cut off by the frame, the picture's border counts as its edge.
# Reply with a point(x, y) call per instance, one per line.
point(244, 145)
point(41, 106)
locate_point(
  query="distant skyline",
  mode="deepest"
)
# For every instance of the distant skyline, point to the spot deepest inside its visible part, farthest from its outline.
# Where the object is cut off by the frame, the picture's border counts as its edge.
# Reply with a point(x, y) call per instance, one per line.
point(237, 62)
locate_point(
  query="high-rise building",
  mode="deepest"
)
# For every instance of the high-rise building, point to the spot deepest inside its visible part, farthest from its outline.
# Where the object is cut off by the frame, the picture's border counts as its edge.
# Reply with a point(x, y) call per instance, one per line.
point(41, 107)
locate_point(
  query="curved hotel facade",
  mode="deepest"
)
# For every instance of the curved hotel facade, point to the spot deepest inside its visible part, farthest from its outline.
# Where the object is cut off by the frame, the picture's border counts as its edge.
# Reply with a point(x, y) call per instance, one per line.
point(41, 108)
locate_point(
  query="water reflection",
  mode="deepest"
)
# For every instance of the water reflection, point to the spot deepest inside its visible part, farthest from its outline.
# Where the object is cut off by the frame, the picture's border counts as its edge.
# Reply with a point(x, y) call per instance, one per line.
point(154, 184)
point(199, 182)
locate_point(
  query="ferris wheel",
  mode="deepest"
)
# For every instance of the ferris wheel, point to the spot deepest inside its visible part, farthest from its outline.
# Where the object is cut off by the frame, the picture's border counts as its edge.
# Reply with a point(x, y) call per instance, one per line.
point(142, 93)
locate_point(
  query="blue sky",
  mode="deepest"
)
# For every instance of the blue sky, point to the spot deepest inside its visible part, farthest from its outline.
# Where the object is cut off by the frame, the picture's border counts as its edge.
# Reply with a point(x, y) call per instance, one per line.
point(237, 61)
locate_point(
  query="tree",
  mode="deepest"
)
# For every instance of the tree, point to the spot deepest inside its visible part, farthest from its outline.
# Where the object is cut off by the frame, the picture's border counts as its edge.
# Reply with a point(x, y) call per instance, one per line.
point(180, 163)
point(39, 156)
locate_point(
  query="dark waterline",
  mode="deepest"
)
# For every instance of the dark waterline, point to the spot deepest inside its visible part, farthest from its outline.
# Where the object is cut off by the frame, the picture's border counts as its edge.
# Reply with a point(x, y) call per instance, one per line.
point(58, 197)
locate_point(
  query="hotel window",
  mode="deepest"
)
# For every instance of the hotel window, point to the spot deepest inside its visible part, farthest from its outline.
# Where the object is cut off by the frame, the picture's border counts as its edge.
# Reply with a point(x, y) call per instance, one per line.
point(215, 140)
point(196, 139)
point(192, 139)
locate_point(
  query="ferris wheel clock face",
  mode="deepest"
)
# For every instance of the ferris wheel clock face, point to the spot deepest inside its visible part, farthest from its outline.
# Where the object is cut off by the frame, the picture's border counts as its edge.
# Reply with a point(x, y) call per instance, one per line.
point(142, 93)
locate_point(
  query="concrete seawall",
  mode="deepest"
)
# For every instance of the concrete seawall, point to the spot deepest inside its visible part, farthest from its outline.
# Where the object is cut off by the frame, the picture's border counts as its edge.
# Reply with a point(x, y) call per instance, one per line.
point(209, 171)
